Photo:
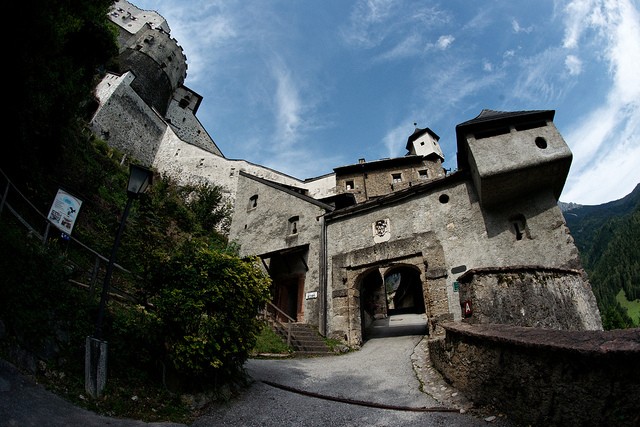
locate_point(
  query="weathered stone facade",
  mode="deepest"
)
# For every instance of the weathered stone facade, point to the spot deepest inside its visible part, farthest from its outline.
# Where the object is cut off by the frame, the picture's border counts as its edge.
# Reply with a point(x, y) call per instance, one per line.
point(544, 377)
point(374, 238)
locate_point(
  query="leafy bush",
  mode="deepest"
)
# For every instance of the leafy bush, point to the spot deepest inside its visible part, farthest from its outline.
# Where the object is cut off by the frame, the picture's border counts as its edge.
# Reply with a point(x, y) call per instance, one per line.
point(208, 307)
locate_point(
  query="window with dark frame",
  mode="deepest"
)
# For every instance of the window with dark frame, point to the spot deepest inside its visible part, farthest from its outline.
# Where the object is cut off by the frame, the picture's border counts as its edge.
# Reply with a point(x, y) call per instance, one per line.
point(253, 202)
point(293, 224)
point(519, 226)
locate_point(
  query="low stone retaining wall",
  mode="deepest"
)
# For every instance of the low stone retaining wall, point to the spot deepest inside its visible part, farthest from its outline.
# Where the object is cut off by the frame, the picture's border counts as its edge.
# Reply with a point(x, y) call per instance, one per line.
point(543, 376)
point(535, 296)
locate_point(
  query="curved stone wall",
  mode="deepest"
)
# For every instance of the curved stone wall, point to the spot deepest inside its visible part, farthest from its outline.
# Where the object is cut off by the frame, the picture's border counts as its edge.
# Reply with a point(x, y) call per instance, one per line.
point(543, 377)
point(530, 296)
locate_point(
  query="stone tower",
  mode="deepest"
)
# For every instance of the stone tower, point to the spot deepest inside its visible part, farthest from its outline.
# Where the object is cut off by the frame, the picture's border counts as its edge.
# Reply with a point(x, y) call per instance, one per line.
point(424, 142)
point(513, 154)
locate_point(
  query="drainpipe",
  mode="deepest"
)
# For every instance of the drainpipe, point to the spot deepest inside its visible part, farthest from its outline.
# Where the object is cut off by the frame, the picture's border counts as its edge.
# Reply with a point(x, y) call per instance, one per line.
point(323, 277)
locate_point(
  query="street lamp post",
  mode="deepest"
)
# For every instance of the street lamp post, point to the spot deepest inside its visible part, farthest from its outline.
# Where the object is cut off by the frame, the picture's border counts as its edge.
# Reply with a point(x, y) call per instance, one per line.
point(95, 371)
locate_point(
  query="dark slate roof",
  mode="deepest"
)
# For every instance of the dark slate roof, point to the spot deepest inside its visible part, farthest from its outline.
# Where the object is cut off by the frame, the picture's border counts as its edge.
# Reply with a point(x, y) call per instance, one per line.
point(491, 119)
point(487, 115)
point(378, 164)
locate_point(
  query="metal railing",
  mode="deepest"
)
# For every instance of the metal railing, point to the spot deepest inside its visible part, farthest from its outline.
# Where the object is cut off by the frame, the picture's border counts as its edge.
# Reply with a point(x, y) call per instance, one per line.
point(274, 315)
point(27, 215)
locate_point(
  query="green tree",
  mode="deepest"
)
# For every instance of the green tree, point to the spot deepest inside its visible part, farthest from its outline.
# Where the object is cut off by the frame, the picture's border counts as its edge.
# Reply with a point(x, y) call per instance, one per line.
point(208, 306)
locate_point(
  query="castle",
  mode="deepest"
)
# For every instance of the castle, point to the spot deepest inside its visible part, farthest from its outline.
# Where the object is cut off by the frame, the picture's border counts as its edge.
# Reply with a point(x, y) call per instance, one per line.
point(484, 244)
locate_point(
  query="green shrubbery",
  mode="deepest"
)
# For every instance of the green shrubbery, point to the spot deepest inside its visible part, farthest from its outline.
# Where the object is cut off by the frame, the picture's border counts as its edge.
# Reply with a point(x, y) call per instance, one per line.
point(39, 308)
point(194, 318)
point(194, 323)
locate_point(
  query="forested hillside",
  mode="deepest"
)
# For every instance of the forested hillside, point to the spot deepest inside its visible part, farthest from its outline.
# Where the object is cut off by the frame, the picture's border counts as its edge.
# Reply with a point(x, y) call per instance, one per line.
point(607, 237)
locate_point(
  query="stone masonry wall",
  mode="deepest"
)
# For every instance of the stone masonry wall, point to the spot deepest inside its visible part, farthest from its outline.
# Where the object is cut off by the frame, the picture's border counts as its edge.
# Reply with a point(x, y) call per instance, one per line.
point(530, 296)
point(544, 377)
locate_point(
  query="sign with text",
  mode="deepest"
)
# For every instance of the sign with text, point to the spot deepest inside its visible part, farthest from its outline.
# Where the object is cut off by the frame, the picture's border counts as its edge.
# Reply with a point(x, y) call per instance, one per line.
point(64, 211)
point(467, 311)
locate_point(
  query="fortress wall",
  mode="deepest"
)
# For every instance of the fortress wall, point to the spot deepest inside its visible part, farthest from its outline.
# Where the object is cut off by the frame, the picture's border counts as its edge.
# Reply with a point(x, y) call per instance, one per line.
point(126, 122)
point(470, 236)
point(530, 296)
point(191, 164)
point(542, 376)
point(157, 47)
point(322, 186)
point(188, 128)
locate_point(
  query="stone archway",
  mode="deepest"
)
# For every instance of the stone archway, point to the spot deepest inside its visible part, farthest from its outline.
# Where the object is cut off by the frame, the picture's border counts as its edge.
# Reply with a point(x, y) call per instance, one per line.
point(422, 254)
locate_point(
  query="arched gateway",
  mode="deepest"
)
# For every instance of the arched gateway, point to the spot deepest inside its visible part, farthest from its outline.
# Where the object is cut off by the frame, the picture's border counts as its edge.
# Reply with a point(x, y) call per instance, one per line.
point(380, 288)
point(389, 291)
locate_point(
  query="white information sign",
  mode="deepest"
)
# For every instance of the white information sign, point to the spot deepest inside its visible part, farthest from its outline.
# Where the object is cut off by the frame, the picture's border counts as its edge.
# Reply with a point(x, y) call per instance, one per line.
point(64, 211)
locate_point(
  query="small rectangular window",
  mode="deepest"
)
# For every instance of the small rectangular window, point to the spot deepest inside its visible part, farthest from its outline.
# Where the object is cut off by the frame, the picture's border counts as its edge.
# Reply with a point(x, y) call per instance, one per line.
point(293, 224)
point(423, 174)
point(349, 185)
point(396, 177)
point(253, 202)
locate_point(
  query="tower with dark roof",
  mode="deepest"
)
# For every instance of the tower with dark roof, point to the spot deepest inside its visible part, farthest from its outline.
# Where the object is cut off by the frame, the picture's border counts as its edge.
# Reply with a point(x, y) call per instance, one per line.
point(511, 155)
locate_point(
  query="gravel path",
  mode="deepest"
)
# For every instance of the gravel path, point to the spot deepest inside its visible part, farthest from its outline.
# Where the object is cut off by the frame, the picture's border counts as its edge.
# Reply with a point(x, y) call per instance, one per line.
point(388, 382)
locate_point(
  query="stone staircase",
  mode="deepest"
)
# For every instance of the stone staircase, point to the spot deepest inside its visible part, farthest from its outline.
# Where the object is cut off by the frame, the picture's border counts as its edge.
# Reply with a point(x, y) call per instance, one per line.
point(304, 339)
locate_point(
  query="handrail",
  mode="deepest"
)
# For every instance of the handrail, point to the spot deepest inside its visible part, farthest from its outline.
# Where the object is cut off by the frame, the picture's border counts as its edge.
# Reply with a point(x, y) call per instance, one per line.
point(4, 203)
point(290, 320)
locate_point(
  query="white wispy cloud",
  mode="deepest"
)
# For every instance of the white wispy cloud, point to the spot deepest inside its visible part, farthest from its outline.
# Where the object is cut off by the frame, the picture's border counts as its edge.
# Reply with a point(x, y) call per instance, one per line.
point(409, 46)
point(287, 105)
point(576, 16)
point(606, 143)
point(573, 64)
point(445, 41)
point(518, 29)
point(536, 82)
point(366, 15)
point(373, 21)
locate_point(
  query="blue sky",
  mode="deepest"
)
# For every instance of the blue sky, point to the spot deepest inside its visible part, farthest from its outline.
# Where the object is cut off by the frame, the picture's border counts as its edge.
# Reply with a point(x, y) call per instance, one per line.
point(306, 86)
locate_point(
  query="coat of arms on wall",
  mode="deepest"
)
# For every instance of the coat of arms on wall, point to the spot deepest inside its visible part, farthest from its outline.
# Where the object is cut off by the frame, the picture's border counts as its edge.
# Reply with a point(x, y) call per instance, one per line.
point(381, 230)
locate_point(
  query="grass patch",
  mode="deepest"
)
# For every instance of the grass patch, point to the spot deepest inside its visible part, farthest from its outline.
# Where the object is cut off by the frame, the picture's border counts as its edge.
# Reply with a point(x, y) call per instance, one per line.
point(269, 342)
point(632, 307)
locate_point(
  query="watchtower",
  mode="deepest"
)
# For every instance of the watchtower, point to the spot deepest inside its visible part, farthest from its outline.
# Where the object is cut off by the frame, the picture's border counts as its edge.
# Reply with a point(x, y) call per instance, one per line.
point(512, 154)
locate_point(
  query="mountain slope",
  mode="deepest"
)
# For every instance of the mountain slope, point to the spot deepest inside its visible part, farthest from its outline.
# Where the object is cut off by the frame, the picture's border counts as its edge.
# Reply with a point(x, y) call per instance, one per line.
point(607, 237)
point(585, 221)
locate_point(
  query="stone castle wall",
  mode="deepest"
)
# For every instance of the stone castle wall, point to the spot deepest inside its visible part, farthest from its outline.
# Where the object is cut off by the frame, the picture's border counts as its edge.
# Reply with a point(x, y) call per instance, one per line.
point(470, 237)
point(543, 376)
point(531, 296)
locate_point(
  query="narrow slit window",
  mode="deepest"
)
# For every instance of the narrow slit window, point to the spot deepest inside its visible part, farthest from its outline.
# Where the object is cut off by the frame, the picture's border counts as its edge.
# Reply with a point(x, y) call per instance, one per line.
point(293, 224)
point(519, 226)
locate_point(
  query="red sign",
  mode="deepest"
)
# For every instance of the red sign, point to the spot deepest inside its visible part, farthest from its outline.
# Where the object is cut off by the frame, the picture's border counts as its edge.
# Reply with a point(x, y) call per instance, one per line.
point(466, 308)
